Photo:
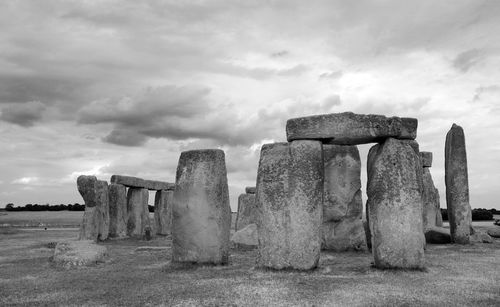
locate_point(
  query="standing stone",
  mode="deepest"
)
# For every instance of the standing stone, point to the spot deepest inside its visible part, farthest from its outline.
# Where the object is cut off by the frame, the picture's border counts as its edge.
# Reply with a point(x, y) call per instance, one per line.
point(372, 153)
point(247, 211)
point(138, 213)
point(201, 213)
point(290, 199)
point(350, 129)
point(439, 217)
point(272, 201)
point(117, 210)
point(342, 205)
point(95, 223)
point(430, 198)
point(457, 186)
point(395, 206)
point(163, 211)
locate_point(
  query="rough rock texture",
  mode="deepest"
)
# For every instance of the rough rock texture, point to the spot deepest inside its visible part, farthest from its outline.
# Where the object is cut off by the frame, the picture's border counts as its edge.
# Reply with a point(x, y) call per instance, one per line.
point(95, 223)
point(457, 186)
point(342, 203)
point(250, 190)
point(118, 216)
point(247, 211)
point(395, 206)
point(350, 129)
point(163, 211)
point(135, 182)
point(201, 219)
point(479, 236)
point(290, 199)
point(430, 198)
point(494, 231)
point(439, 217)
point(437, 235)
point(246, 238)
point(70, 254)
point(138, 213)
point(426, 158)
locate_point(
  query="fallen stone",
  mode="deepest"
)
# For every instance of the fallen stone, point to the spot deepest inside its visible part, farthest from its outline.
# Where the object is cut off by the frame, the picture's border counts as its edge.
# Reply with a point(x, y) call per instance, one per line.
point(457, 186)
point(247, 211)
point(250, 190)
point(135, 182)
point(246, 238)
point(350, 129)
point(430, 198)
point(395, 206)
point(117, 210)
point(138, 212)
point(426, 158)
point(163, 211)
point(201, 218)
point(479, 236)
point(69, 254)
point(151, 248)
point(437, 235)
point(494, 231)
point(345, 235)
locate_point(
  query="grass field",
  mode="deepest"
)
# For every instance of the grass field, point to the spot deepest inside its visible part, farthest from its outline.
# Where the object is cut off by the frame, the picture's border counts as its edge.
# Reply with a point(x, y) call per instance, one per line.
point(455, 276)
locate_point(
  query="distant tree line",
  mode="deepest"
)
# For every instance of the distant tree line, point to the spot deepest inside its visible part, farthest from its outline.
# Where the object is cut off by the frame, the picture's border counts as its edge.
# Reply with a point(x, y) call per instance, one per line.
point(480, 214)
point(46, 207)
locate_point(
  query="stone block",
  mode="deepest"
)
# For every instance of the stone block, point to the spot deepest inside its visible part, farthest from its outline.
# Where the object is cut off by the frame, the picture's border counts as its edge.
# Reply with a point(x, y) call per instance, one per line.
point(350, 129)
point(457, 186)
point(430, 197)
point(437, 235)
point(247, 211)
point(95, 222)
point(347, 234)
point(163, 211)
point(250, 190)
point(118, 215)
point(135, 182)
point(71, 254)
point(246, 238)
point(138, 212)
point(426, 158)
point(201, 219)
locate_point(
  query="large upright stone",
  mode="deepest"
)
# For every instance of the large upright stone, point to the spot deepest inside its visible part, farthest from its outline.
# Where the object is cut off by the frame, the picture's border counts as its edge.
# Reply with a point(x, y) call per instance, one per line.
point(117, 210)
point(247, 211)
point(342, 227)
point(201, 213)
point(95, 223)
point(430, 197)
point(395, 206)
point(163, 211)
point(457, 186)
point(138, 213)
point(290, 199)
point(426, 158)
point(350, 129)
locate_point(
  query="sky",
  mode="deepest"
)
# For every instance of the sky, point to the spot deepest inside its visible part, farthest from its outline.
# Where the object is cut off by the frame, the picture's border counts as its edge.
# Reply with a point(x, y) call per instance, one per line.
point(123, 87)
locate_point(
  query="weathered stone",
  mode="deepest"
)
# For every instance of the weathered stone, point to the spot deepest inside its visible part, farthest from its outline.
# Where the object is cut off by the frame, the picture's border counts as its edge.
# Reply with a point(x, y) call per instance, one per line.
point(437, 235)
point(439, 216)
point(138, 213)
point(494, 231)
point(479, 236)
point(95, 223)
point(457, 186)
point(135, 182)
point(250, 190)
point(272, 200)
point(345, 235)
point(290, 198)
point(70, 254)
point(201, 213)
point(118, 215)
point(350, 129)
point(426, 158)
point(430, 198)
point(342, 199)
point(163, 211)
point(395, 206)
point(246, 238)
point(413, 144)
point(151, 249)
point(247, 211)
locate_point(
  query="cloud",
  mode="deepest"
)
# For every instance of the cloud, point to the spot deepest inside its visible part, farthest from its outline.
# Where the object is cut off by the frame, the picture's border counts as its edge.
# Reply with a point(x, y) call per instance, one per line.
point(332, 75)
point(125, 138)
point(279, 54)
point(484, 90)
point(467, 59)
point(23, 114)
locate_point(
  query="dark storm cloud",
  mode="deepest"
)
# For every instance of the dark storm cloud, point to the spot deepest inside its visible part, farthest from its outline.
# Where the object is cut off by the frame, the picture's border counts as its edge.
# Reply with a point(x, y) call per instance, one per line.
point(23, 114)
point(125, 138)
point(467, 59)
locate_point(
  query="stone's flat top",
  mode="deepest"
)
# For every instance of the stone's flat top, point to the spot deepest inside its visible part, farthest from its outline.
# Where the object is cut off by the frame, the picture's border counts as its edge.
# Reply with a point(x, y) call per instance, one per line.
point(135, 182)
point(250, 190)
point(69, 254)
point(350, 129)
point(426, 158)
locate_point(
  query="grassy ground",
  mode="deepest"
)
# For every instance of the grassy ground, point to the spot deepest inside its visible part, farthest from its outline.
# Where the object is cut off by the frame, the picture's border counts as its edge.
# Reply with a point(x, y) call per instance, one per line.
point(455, 276)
